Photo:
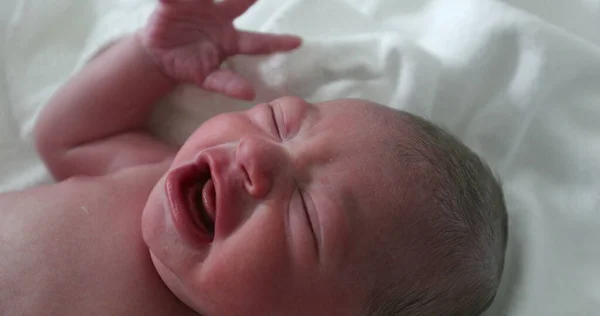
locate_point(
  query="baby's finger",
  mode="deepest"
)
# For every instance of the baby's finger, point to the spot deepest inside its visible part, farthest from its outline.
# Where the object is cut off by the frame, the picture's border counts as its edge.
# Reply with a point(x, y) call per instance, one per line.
point(228, 83)
point(260, 43)
point(234, 8)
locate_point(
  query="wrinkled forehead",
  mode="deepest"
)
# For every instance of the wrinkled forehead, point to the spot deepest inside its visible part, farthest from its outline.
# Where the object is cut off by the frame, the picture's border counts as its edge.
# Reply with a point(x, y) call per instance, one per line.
point(353, 112)
point(366, 178)
point(356, 127)
point(362, 141)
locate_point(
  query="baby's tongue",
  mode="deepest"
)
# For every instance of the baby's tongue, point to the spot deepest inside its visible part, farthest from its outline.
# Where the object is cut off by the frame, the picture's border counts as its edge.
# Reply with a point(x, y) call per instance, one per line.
point(208, 198)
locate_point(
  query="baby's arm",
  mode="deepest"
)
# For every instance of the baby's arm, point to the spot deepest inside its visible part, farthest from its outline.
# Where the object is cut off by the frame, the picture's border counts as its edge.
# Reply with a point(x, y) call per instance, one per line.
point(95, 124)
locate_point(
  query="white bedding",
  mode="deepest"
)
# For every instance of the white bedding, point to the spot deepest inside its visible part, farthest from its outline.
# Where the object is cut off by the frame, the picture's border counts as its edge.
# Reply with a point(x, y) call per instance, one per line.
point(518, 81)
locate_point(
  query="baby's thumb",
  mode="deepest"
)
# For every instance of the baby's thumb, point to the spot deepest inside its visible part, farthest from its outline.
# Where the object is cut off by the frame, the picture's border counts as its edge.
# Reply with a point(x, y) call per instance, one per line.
point(229, 83)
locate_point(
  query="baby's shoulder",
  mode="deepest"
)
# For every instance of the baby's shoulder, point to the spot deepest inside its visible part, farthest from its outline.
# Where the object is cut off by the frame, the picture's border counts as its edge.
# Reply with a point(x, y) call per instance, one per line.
point(141, 178)
point(82, 190)
point(59, 232)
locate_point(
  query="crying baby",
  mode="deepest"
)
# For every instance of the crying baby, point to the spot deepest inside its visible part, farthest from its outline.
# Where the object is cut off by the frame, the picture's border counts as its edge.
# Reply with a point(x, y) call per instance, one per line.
point(343, 207)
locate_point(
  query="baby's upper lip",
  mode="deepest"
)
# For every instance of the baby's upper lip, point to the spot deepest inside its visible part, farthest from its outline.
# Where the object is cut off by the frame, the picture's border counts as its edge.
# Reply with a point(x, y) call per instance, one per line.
point(177, 185)
point(207, 159)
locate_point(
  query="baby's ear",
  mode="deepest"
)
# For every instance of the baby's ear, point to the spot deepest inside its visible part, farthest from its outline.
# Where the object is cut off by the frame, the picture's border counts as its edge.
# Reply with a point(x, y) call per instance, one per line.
point(229, 83)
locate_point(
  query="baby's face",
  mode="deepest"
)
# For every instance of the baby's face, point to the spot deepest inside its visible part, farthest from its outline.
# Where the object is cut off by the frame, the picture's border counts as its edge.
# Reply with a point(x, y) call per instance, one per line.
point(286, 227)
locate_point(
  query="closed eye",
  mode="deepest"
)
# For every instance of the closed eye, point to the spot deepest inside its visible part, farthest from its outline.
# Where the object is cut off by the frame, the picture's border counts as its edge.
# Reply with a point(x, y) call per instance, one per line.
point(275, 123)
point(312, 222)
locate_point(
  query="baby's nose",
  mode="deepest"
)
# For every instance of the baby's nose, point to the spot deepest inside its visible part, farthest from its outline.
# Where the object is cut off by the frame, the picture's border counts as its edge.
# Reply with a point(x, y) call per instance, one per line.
point(259, 158)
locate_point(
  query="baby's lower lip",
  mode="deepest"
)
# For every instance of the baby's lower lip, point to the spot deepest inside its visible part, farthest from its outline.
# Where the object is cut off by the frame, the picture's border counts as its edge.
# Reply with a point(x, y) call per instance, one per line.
point(181, 214)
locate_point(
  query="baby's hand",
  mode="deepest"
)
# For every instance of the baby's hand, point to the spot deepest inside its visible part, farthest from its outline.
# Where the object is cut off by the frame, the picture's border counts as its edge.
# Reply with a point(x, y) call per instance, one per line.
point(189, 39)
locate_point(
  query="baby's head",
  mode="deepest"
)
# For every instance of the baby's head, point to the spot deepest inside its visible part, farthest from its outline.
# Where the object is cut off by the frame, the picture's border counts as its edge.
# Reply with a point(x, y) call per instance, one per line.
point(339, 208)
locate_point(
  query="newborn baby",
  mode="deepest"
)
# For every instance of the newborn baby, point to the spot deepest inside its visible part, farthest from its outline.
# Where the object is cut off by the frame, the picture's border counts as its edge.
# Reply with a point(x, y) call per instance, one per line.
point(342, 207)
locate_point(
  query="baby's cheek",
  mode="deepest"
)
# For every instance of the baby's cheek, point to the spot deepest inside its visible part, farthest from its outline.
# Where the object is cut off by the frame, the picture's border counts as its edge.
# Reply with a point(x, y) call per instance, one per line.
point(249, 272)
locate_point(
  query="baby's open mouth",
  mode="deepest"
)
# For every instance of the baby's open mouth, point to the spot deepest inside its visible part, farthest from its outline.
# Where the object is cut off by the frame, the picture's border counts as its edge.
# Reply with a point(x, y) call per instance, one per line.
point(201, 198)
point(192, 197)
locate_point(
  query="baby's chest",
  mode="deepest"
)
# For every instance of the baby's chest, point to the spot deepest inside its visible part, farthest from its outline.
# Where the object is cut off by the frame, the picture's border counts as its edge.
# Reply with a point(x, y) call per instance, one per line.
point(66, 215)
point(64, 244)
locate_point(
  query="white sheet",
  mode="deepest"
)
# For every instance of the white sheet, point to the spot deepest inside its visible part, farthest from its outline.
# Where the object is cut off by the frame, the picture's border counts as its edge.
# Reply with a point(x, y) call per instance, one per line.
point(518, 81)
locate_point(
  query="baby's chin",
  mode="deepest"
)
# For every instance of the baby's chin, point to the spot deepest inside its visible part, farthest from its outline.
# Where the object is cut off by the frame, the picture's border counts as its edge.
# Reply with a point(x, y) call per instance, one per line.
point(154, 222)
point(174, 284)
point(156, 230)
point(153, 214)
